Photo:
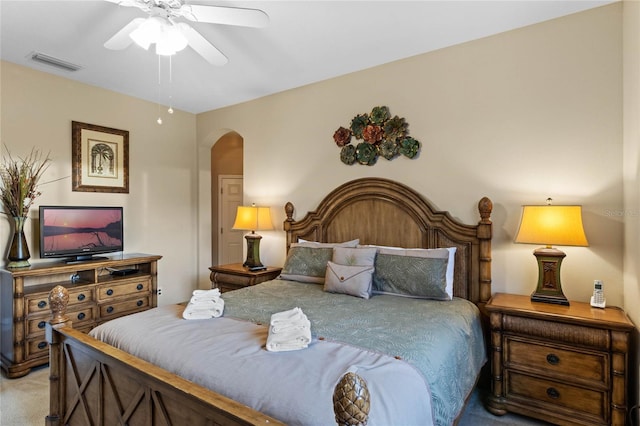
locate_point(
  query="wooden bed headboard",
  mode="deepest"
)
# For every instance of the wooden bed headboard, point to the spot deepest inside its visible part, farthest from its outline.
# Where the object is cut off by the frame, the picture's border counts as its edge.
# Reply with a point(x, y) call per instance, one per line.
point(384, 212)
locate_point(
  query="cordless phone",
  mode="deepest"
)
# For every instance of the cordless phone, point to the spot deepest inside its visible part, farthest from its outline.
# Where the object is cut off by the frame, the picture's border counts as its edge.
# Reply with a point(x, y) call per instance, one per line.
point(598, 300)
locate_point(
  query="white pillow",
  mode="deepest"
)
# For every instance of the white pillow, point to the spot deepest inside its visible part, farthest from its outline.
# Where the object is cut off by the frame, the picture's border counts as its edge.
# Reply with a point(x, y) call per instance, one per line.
point(348, 279)
point(354, 256)
point(315, 244)
point(420, 252)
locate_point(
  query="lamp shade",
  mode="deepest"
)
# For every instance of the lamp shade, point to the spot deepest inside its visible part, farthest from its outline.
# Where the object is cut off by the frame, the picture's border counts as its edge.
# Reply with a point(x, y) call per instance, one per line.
point(552, 225)
point(253, 218)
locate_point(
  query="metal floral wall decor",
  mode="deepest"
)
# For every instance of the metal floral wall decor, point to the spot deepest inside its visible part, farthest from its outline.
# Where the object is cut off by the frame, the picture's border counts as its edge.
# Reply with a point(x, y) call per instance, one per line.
point(380, 135)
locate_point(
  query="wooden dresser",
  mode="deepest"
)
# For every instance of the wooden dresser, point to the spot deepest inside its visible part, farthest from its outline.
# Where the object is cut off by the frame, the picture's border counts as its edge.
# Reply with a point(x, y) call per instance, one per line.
point(95, 296)
point(234, 276)
point(569, 365)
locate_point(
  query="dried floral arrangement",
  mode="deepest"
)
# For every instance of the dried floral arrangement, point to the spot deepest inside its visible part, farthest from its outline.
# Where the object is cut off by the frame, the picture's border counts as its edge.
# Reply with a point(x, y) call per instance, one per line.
point(381, 135)
point(19, 178)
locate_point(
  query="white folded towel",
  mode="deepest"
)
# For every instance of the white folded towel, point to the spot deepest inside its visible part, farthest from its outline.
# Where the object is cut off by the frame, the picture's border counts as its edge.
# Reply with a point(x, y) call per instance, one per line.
point(287, 316)
point(205, 295)
point(275, 343)
point(204, 310)
point(288, 331)
point(282, 327)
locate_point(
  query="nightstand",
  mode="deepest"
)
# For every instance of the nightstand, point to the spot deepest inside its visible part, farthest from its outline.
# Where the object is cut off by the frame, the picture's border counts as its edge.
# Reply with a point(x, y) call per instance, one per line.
point(235, 276)
point(569, 365)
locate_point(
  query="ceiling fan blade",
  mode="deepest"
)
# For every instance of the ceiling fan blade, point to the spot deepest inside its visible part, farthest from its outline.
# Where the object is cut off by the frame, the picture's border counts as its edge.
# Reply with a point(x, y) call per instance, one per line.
point(226, 15)
point(121, 39)
point(202, 46)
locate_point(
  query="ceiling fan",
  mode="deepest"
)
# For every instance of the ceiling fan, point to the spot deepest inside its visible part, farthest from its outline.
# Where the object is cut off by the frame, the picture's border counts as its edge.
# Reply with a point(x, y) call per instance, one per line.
point(170, 36)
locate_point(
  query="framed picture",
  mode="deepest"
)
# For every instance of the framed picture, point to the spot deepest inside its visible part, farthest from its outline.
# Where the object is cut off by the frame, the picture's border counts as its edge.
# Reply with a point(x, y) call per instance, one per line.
point(99, 158)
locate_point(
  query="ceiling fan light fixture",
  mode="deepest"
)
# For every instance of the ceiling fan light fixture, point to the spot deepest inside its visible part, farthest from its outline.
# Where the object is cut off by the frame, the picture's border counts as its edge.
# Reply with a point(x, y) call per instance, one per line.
point(148, 32)
point(170, 41)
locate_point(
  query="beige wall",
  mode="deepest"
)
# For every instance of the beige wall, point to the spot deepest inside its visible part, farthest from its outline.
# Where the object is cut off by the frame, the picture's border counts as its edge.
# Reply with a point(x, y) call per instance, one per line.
point(160, 209)
point(631, 165)
point(519, 117)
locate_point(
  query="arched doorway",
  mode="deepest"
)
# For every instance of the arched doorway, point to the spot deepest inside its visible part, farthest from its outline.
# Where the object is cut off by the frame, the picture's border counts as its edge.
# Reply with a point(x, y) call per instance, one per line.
point(226, 160)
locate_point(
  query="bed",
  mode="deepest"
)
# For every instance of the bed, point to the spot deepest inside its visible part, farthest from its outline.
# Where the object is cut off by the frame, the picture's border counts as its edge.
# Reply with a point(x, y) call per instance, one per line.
point(368, 366)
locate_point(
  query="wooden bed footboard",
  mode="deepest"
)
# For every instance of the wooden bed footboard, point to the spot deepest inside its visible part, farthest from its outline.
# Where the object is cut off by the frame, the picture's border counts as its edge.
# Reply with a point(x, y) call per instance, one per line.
point(93, 383)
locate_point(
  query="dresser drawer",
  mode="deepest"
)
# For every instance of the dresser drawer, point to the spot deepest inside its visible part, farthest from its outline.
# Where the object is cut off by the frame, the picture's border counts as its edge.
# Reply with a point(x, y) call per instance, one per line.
point(39, 303)
point(557, 361)
point(577, 402)
point(80, 316)
point(115, 290)
point(36, 347)
point(111, 310)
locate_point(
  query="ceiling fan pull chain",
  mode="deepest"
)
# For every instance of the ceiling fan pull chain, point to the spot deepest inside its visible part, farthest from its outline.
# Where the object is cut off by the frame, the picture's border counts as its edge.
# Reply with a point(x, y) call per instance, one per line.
point(159, 120)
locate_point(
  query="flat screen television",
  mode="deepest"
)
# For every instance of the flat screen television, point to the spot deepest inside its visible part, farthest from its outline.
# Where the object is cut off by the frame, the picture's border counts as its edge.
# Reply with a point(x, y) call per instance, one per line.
point(80, 233)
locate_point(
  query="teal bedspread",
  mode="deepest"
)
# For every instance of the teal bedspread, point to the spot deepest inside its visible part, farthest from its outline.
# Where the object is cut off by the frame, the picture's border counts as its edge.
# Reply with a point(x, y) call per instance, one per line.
point(442, 339)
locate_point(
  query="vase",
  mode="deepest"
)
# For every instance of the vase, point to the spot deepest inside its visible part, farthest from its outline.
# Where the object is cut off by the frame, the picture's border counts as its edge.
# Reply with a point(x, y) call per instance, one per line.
point(19, 251)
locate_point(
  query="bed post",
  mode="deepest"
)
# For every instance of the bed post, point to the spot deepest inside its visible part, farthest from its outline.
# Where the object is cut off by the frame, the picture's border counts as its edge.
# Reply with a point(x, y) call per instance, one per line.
point(288, 210)
point(485, 206)
point(351, 401)
point(58, 300)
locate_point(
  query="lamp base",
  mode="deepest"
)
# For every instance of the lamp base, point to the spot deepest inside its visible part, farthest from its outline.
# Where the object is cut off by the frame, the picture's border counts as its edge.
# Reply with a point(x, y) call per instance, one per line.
point(549, 289)
point(253, 251)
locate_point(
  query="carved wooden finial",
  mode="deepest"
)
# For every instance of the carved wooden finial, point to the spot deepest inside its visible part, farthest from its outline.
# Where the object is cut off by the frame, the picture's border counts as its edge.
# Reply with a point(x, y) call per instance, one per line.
point(58, 300)
point(351, 401)
point(485, 206)
point(288, 209)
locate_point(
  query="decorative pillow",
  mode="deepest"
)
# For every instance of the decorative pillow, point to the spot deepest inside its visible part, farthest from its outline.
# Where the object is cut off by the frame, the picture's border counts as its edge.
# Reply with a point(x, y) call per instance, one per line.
point(354, 256)
point(306, 264)
point(305, 243)
point(411, 276)
point(420, 252)
point(348, 279)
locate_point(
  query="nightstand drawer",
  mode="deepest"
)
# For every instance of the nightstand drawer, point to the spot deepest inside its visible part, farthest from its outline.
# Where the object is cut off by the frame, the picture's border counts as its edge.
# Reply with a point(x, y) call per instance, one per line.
point(577, 402)
point(556, 362)
point(563, 333)
point(233, 279)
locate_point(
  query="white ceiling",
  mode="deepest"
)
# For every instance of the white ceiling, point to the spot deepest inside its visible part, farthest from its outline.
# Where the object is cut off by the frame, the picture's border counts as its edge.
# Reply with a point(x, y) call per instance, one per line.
point(305, 42)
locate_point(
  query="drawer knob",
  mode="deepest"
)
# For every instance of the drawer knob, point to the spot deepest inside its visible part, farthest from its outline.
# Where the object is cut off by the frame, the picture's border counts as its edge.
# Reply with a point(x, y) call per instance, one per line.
point(139, 302)
point(139, 286)
point(42, 304)
point(110, 309)
point(553, 359)
point(81, 315)
point(42, 324)
point(42, 345)
point(109, 292)
point(81, 297)
point(553, 393)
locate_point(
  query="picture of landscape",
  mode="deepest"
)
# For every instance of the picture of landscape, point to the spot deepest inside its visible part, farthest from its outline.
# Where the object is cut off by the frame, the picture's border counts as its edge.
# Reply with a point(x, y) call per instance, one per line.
point(81, 229)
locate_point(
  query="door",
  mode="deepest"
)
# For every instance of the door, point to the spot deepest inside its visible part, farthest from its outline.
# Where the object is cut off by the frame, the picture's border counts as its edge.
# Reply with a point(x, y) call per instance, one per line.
point(230, 241)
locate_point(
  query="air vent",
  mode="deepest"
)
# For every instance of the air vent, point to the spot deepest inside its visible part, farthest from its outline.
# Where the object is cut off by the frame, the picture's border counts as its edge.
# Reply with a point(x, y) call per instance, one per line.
point(54, 62)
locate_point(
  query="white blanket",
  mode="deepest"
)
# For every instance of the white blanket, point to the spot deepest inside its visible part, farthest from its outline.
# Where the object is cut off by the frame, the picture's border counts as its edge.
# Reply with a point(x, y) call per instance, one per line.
point(295, 387)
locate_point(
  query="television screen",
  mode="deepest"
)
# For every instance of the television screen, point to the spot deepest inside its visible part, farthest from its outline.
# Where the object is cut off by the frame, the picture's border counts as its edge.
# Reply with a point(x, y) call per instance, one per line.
point(78, 233)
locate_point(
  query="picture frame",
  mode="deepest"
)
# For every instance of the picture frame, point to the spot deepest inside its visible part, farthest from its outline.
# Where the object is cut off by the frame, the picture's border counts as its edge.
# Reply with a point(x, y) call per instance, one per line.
point(99, 158)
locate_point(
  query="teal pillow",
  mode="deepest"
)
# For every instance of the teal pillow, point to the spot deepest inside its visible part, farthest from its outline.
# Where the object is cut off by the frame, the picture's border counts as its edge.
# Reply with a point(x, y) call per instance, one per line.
point(306, 264)
point(419, 277)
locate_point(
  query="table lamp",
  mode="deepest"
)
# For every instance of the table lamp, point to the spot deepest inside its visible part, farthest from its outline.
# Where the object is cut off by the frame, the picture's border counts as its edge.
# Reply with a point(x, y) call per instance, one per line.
point(253, 218)
point(551, 225)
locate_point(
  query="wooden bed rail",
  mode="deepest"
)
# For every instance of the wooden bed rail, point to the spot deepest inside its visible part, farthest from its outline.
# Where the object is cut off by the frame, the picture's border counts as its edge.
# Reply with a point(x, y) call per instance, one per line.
point(93, 383)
